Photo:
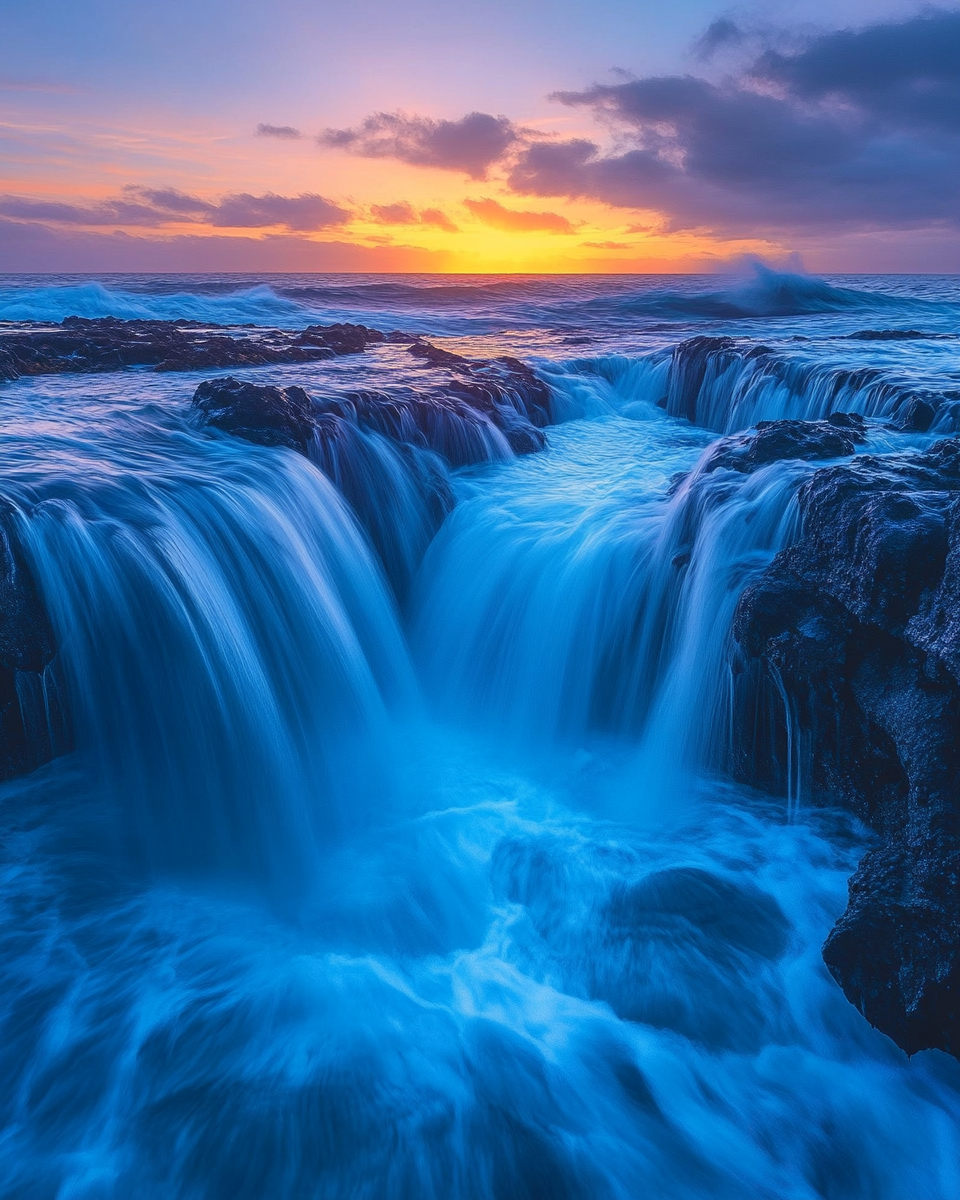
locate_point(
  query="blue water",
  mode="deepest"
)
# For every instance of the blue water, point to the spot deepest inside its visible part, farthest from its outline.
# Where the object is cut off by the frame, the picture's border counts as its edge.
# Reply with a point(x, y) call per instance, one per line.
point(408, 865)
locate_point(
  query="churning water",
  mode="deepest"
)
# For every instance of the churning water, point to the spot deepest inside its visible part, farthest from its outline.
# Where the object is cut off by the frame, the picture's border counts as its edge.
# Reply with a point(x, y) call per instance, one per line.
point(401, 864)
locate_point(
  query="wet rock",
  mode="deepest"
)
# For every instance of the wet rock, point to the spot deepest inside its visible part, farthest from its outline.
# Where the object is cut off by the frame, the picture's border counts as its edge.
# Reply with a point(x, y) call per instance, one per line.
point(916, 414)
point(437, 421)
point(691, 362)
point(85, 345)
point(896, 950)
point(730, 914)
point(851, 668)
point(836, 437)
point(269, 416)
point(27, 647)
point(896, 335)
point(494, 385)
point(722, 383)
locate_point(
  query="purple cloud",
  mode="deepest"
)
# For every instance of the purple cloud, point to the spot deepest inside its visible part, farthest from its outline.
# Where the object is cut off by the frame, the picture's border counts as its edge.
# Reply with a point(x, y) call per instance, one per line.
point(471, 145)
point(856, 129)
point(151, 207)
point(302, 213)
point(283, 132)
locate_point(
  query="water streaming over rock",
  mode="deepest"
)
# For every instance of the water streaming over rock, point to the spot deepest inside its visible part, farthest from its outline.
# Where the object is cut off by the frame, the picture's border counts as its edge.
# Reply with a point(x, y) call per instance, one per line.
point(393, 863)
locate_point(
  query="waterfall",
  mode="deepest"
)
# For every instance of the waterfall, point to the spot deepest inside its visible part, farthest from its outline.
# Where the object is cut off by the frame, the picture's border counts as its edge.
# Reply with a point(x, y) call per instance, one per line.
point(231, 655)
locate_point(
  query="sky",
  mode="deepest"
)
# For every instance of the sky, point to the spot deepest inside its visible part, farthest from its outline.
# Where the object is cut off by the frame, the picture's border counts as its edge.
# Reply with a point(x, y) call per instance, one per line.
point(501, 135)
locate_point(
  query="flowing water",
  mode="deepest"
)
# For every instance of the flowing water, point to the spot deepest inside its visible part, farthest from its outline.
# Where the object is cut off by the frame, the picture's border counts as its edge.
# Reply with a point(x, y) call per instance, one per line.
point(400, 863)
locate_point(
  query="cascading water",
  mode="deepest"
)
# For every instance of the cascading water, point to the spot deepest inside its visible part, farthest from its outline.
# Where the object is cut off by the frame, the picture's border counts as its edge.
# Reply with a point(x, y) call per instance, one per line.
point(271, 930)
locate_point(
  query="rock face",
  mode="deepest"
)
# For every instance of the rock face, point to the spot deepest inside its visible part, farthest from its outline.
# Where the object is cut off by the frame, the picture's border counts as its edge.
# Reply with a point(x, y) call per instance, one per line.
point(387, 452)
point(838, 435)
point(459, 418)
point(725, 384)
point(85, 345)
point(850, 683)
point(27, 647)
point(269, 416)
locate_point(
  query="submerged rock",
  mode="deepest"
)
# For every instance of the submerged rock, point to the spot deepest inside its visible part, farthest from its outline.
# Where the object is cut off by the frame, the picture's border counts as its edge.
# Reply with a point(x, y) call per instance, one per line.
point(897, 335)
point(851, 667)
point(27, 647)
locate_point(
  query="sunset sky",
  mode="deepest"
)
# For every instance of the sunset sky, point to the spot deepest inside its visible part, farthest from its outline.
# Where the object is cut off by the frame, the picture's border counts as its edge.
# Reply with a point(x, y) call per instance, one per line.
point(524, 136)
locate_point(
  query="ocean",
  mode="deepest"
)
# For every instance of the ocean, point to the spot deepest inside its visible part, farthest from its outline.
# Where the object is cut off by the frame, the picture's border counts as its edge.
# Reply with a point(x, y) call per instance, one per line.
point(398, 857)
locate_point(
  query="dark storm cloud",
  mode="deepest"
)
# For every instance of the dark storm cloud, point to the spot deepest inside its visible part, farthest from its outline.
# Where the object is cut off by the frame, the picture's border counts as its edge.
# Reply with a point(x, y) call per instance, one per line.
point(851, 129)
point(906, 73)
point(470, 145)
point(151, 207)
point(283, 132)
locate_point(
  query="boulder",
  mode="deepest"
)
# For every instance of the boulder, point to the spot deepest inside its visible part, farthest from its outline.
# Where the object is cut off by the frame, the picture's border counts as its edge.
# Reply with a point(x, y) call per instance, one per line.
point(269, 416)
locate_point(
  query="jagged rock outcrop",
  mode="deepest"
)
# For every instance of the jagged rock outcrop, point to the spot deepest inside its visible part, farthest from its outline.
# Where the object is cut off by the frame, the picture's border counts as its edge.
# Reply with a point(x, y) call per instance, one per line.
point(395, 480)
point(458, 418)
point(850, 643)
point(504, 389)
point(27, 647)
point(269, 416)
point(81, 344)
point(772, 441)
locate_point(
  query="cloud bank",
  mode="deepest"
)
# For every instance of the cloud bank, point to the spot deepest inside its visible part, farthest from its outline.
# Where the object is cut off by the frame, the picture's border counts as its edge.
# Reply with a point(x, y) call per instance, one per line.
point(853, 129)
point(848, 130)
point(152, 207)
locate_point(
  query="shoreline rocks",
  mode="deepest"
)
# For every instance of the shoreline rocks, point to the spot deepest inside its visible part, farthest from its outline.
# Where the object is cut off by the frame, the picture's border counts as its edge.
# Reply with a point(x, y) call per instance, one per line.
point(102, 344)
point(850, 645)
point(388, 453)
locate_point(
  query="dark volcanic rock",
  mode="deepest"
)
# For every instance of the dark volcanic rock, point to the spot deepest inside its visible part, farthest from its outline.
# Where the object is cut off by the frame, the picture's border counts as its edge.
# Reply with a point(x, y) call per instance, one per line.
point(80, 344)
point(399, 492)
point(457, 418)
point(504, 389)
point(839, 435)
point(27, 647)
point(897, 335)
point(715, 381)
point(269, 416)
point(916, 414)
point(857, 627)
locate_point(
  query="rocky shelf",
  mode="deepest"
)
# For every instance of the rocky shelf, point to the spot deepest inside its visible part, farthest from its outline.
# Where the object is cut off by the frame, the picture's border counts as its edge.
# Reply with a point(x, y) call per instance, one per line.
point(94, 345)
